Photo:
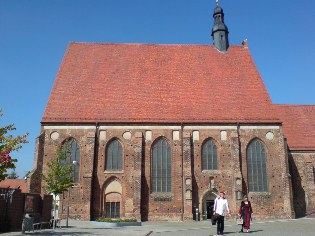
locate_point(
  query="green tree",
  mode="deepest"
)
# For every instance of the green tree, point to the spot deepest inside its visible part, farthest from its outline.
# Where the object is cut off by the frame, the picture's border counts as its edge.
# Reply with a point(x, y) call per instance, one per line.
point(8, 143)
point(12, 175)
point(59, 176)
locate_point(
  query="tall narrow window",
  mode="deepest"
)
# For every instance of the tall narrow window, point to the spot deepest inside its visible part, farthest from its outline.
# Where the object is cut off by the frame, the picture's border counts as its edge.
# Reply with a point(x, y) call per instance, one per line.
point(209, 155)
point(257, 167)
point(73, 157)
point(114, 156)
point(161, 167)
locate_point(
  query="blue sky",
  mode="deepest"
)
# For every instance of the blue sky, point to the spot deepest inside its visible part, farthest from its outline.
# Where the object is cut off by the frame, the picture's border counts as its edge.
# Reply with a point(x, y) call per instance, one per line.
point(34, 35)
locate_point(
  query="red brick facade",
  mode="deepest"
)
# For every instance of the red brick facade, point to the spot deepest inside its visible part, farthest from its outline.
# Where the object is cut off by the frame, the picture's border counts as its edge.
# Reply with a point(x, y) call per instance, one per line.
point(191, 184)
point(303, 180)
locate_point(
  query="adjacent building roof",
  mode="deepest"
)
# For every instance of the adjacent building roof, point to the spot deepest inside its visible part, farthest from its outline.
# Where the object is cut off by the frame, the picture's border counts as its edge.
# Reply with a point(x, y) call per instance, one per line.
point(14, 184)
point(143, 83)
point(298, 126)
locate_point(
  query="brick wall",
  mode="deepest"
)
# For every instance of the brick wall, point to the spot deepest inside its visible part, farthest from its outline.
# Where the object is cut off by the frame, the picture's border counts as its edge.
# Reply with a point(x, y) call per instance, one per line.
point(12, 210)
point(47, 201)
point(233, 166)
point(302, 172)
point(277, 203)
point(224, 177)
point(34, 183)
point(80, 194)
point(190, 184)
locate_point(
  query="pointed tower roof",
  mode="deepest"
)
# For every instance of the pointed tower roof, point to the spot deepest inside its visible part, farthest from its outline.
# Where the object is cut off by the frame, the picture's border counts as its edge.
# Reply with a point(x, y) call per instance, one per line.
point(218, 8)
point(220, 31)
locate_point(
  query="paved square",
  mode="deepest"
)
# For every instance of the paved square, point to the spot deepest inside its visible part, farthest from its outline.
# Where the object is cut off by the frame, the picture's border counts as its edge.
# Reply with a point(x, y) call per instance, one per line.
point(295, 227)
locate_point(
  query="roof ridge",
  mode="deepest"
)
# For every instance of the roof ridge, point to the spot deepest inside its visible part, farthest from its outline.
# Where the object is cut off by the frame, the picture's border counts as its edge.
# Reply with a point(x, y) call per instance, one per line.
point(147, 44)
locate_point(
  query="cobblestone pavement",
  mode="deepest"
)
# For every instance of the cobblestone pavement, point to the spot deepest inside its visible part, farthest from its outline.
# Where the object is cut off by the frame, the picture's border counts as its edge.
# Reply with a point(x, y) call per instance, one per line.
point(296, 227)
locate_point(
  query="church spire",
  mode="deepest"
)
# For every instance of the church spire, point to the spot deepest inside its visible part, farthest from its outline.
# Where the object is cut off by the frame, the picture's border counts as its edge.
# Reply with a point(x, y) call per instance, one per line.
point(220, 31)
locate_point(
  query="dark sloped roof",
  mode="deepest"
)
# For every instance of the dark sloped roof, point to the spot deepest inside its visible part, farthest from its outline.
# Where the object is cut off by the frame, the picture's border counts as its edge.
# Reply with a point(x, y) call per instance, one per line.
point(298, 125)
point(143, 83)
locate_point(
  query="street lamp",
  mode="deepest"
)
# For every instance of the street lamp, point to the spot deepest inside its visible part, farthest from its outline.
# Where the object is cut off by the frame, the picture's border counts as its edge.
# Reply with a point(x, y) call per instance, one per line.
point(68, 203)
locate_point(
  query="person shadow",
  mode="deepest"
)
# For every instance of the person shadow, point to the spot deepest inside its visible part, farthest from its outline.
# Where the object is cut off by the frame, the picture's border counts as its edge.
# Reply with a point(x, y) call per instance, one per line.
point(254, 231)
point(251, 231)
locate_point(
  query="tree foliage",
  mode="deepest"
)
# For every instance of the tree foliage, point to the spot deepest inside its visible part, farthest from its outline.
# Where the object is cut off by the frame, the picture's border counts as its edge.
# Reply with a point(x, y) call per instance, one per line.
point(59, 175)
point(12, 175)
point(8, 143)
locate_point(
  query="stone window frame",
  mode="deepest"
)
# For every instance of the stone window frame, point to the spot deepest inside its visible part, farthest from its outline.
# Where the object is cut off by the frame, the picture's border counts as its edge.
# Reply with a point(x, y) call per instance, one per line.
point(169, 190)
point(76, 174)
point(106, 156)
point(265, 181)
point(217, 154)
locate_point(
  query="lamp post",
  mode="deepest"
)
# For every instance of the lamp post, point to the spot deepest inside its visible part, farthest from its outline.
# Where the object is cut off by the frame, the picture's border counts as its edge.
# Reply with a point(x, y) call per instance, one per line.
point(68, 202)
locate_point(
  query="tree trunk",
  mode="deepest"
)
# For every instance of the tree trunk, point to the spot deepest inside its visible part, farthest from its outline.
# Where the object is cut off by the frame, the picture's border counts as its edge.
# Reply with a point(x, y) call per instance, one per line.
point(55, 203)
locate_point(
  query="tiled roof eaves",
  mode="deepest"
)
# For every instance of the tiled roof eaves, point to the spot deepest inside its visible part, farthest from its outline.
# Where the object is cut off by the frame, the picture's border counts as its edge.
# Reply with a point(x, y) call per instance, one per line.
point(152, 120)
point(304, 148)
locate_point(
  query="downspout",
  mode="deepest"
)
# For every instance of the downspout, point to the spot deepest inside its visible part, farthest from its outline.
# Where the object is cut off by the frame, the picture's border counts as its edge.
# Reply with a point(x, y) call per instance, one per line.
point(183, 199)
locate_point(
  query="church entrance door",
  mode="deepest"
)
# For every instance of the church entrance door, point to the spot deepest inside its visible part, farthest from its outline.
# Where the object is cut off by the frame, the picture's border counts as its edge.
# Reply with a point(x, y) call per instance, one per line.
point(210, 205)
point(207, 205)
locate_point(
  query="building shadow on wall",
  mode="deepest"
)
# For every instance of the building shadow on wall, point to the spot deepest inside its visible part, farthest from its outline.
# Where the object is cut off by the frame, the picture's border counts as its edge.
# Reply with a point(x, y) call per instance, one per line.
point(144, 188)
point(96, 203)
point(195, 189)
point(299, 203)
point(96, 206)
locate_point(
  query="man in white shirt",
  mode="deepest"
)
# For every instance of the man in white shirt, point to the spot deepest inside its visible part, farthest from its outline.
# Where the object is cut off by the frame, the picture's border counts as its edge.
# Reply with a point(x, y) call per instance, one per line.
point(220, 206)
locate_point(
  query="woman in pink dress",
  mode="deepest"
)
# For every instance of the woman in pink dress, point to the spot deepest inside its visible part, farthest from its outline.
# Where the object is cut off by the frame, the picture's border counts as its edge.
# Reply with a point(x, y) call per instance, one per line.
point(246, 212)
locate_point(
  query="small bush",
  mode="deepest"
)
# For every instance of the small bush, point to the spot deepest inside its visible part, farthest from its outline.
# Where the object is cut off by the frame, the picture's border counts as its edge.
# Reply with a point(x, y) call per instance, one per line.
point(115, 220)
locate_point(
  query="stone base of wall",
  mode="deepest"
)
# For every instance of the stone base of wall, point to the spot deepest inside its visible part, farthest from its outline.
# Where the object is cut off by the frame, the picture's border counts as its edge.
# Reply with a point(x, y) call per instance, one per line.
point(112, 224)
point(165, 217)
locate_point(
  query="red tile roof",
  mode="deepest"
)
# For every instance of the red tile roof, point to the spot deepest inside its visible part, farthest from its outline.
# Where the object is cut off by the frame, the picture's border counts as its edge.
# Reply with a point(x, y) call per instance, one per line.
point(14, 184)
point(143, 83)
point(298, 125)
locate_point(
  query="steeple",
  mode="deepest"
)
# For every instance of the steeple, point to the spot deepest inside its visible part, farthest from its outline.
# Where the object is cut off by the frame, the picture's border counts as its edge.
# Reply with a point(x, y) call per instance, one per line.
point(220, 31)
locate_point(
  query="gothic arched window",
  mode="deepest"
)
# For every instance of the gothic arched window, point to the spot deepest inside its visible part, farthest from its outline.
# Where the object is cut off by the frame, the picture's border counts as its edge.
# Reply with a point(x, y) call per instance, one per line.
point(161, 166)
point(209, 155)
point(73, 153)
point(114, 156)
point(257, 167)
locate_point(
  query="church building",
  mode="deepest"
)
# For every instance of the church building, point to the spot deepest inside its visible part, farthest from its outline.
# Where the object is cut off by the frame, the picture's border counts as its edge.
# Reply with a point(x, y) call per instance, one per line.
point(156, 130)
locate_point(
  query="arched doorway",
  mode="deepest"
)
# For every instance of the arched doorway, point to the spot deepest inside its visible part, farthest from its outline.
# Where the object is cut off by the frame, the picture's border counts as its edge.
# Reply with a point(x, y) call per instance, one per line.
point(112, 199)
point(207, 204)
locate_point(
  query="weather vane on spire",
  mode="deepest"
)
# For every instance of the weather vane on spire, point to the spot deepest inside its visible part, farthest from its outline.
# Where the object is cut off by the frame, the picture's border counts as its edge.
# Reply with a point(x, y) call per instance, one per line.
point(217, 2)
